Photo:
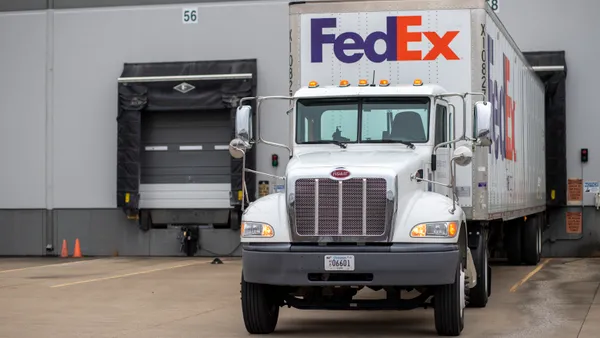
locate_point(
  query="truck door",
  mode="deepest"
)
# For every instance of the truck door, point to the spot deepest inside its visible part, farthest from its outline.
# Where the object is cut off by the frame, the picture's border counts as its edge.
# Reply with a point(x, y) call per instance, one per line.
point(443, 132)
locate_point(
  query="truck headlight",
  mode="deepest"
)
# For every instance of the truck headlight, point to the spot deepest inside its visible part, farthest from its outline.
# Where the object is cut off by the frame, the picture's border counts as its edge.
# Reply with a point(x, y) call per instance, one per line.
point(256, 229)
point(435, 229)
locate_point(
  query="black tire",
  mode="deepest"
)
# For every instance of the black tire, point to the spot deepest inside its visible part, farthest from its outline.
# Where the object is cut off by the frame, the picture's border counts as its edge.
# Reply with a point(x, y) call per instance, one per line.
point(489, 268)
point(145, 220)
point(260, 308)
point(478, 296)
point(449, 307)
point(531, 240)
point(512, 233)
point(235, 222)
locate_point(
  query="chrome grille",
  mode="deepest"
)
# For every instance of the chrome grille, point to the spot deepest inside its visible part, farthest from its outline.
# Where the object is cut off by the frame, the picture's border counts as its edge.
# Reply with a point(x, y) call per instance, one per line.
point(353, 207)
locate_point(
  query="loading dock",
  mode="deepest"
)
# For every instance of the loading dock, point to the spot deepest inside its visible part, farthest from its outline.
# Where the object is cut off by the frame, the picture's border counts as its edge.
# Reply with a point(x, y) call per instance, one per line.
point(175, 121)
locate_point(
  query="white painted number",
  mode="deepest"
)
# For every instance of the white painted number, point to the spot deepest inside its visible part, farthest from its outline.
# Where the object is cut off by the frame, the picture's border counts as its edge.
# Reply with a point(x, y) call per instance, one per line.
point(190, 15)
point(495, 5)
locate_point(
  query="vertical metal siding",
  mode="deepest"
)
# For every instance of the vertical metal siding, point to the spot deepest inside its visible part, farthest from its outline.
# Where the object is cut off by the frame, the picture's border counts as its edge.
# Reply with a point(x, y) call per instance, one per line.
point(22, 110)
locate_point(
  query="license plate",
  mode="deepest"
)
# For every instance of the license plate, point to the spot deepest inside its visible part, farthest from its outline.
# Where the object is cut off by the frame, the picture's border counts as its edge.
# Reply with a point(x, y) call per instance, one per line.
point(339, 263)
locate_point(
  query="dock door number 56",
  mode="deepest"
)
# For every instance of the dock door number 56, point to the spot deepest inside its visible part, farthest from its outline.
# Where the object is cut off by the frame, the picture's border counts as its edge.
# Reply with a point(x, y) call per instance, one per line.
point(190, 15)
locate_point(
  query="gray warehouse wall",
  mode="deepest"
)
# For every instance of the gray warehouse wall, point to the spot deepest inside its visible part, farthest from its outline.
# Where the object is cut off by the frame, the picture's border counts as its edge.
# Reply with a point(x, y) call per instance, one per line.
point(58, 73)
point(570, 26)
point(58, 104)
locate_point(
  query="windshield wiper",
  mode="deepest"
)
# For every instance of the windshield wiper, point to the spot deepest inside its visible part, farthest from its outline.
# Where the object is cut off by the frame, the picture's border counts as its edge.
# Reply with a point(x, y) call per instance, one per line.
point(408, 144)
point(337, 143)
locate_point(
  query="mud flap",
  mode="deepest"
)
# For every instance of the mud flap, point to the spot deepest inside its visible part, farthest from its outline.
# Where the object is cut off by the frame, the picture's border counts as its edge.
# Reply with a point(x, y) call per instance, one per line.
point(471, 271)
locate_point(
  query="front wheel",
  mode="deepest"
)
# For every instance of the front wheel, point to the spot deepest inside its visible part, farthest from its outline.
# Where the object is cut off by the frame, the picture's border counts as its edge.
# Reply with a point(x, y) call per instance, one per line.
point(260, 307)
point(449, 305)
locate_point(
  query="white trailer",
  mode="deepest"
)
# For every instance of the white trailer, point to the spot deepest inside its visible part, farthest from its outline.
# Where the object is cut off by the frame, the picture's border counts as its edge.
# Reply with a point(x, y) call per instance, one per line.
point(387, 98)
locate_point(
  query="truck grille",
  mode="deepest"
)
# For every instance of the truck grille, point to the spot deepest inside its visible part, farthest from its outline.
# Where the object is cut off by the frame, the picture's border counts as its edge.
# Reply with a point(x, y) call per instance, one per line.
point(353, 207)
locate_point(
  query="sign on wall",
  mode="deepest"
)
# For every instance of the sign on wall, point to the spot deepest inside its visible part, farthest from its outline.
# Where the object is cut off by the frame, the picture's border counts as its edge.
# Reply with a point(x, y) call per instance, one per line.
point(574, 191)
point(495, 4)
point(591, 187)
point(189, 15)
point(574, 222)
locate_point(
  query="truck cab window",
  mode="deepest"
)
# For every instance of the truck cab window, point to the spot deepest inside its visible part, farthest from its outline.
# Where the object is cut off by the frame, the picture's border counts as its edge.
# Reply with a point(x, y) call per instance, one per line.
point(395, 119)
point(382, 119)
point(339, 125)
point(327, 120)
point(441, 125)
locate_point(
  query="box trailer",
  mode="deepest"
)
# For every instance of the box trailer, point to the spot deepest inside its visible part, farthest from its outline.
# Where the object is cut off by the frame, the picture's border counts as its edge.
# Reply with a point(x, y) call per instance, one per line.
point(416, 147)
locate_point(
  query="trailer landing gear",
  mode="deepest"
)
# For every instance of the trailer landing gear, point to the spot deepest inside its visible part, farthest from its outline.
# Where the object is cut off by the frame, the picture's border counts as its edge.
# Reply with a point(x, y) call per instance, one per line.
point(523, 240)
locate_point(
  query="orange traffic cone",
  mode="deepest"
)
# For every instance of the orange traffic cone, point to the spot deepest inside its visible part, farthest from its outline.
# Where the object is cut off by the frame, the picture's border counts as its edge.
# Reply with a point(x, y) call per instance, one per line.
point(64, 252)
point(77, 251)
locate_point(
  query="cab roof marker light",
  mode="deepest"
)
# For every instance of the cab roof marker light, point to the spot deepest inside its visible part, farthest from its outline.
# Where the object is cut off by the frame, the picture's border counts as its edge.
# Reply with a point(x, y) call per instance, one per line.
point(313, 84)
point(384, 83)
point(363, 83)
point(344, 83)
point(417, 82)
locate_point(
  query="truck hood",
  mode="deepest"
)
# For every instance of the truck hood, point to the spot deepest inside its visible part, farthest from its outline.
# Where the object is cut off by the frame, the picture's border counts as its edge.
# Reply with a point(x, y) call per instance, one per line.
point(397, 160)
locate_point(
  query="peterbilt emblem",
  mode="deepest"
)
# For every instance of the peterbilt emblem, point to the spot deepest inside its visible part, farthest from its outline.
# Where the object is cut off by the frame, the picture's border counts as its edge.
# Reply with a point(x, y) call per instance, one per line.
point(340, 173)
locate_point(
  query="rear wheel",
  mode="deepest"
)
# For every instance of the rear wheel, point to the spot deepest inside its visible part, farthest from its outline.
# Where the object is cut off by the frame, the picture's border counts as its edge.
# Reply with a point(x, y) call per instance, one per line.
point(512, 236)
point(260, 307)
point(449, 305)
point(489, 281)
point(532, 240)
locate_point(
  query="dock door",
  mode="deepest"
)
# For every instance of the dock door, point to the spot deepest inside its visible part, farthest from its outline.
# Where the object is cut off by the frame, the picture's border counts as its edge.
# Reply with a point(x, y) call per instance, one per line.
point(174, 126)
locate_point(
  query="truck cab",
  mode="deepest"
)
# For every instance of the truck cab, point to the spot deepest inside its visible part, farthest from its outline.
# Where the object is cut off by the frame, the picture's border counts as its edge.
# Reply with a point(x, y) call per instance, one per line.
point(361, 206)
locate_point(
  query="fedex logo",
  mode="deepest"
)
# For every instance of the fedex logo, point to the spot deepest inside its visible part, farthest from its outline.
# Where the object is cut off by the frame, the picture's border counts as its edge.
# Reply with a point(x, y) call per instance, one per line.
point(503, 108)
point(350, 47)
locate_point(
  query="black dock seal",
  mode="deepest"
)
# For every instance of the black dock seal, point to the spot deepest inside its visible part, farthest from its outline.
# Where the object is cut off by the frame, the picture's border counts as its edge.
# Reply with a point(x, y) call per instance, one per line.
point(143, 87)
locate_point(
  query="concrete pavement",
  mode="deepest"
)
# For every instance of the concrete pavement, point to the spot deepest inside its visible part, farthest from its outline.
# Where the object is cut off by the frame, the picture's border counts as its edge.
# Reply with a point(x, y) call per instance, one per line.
point(189, 297)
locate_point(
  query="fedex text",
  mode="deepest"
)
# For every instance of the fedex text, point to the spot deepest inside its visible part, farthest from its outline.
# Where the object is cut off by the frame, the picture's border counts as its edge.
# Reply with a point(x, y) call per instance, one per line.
point(350, 47)
point(504, 107)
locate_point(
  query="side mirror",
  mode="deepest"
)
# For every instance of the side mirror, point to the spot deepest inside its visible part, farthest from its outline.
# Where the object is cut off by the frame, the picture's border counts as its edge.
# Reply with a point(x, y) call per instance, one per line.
point(483, 123)
point(462, 156)
point(243, 123)
point(238, 148)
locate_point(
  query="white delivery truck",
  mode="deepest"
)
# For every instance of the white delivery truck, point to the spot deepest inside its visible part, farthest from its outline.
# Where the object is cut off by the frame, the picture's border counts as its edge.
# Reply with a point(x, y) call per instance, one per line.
point(416, 146)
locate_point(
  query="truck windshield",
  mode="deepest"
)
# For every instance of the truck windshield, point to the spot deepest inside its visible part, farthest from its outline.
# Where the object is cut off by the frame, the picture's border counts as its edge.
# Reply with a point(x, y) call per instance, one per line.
point(352, 120)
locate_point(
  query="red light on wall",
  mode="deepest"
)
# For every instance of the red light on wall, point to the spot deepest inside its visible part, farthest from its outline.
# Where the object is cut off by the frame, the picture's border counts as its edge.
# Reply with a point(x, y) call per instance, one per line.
point(274, 160)
point(584, 155)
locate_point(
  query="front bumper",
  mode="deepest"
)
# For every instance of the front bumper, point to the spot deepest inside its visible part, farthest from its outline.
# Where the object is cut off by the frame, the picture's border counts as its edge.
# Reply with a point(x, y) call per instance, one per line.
point(394, 265)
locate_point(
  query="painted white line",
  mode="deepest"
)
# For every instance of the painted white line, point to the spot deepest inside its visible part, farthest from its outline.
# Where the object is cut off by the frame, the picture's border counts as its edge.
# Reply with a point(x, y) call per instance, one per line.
point(47, 265)
point(220, 147)
point(131, 274)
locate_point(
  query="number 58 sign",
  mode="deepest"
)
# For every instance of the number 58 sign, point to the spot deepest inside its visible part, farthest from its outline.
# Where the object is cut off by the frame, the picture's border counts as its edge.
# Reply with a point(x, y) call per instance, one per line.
point(495, 4)
point(190, 15)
